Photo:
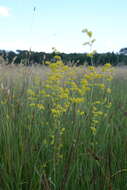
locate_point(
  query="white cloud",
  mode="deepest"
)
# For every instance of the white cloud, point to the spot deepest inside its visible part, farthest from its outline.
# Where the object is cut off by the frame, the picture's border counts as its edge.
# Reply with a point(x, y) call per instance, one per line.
point(4, 11)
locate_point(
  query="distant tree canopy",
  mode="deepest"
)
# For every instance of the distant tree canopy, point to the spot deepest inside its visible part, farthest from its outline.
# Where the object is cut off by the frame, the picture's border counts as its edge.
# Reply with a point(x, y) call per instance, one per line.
point(30, 57)
point(123, 51)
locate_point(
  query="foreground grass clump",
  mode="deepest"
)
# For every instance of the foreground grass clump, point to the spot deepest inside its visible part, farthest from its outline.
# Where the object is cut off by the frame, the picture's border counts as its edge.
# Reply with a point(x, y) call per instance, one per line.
point(62, 128)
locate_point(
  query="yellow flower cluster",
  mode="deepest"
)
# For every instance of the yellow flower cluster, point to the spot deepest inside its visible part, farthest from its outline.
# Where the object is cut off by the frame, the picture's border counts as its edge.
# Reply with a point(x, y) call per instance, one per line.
point(65, 91)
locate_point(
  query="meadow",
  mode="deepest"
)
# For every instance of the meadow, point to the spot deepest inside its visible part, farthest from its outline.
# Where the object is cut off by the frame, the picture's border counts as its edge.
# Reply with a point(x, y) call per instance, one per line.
point(63, 128)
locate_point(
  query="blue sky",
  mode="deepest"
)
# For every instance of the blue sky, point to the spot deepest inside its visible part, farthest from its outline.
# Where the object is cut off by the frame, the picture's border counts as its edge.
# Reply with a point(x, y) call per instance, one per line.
point(58, 23)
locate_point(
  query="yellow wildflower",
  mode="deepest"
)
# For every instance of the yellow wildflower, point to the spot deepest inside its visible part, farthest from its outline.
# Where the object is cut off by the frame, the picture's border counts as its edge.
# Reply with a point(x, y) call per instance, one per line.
point(109, 90)
point(77, 100)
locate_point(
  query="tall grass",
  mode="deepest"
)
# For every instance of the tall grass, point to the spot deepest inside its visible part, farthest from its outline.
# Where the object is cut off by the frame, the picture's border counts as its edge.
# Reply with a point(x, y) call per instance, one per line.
point(80, 145)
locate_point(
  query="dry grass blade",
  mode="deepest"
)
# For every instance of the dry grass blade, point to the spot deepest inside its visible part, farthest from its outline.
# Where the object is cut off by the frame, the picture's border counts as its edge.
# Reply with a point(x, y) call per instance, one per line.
point(45, 183)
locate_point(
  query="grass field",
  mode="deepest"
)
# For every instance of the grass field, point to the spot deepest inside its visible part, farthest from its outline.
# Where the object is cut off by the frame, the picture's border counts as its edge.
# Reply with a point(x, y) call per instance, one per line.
point(63, 128)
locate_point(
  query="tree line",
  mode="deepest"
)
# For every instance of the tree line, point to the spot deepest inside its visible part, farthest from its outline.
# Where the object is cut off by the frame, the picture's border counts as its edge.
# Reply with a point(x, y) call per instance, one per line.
point(31, 57)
